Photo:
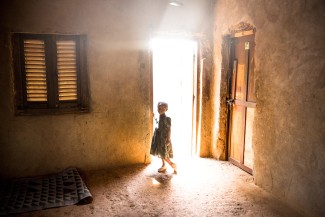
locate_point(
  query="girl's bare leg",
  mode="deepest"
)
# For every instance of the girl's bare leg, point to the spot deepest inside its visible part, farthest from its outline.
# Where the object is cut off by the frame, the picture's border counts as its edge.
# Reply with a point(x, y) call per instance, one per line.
point(162, 168)
point(163, 162)
point(173, 165)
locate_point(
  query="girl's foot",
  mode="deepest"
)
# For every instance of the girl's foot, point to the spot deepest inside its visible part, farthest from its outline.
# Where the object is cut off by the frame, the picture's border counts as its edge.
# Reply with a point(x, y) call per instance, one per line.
point(174, 166)
point(162, 169)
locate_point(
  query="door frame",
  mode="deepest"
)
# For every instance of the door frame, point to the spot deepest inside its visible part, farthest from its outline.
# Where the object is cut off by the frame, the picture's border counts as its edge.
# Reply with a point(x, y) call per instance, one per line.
point(231, 70)
point(195, 102)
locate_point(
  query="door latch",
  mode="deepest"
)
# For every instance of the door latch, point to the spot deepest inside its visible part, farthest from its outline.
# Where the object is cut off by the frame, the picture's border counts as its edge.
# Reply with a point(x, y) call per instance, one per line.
point(230, 101)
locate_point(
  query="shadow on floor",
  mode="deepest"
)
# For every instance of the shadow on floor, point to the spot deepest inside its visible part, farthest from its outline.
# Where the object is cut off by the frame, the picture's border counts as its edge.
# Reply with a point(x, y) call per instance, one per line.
point(202, 187)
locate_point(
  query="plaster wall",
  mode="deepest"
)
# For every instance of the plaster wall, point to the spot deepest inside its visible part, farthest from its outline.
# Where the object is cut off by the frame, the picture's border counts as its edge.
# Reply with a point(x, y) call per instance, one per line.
point(289, 143)
point(117, 130)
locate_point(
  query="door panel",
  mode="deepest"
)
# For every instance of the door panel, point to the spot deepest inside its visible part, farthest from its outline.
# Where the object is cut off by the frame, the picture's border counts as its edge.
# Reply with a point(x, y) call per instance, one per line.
point(251, 80)
point(237, 134)
point(241, 102)
point(240, 82)
point(248, 153)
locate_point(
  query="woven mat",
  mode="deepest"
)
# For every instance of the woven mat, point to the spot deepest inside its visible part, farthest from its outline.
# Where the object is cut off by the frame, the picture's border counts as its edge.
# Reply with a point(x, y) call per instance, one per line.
point(29, 194)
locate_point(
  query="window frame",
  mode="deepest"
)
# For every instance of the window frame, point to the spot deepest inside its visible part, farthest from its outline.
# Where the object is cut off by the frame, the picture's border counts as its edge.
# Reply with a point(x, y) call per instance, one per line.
point(53, 105)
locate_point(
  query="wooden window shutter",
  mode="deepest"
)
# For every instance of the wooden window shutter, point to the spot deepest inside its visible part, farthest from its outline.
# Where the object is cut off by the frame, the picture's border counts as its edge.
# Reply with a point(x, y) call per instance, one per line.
point(67, 70)
point(35, 69)
point(50, 74)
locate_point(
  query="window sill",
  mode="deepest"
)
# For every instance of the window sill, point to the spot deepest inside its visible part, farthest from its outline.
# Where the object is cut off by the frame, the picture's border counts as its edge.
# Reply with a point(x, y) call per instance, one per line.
point(60, 111)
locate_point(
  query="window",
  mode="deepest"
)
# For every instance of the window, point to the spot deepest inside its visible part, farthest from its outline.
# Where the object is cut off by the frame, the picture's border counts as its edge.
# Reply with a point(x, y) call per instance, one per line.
point(50, 73)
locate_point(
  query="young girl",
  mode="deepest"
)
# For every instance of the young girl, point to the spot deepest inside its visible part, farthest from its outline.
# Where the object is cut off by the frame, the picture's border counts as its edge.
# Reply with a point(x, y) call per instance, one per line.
point(161, 145)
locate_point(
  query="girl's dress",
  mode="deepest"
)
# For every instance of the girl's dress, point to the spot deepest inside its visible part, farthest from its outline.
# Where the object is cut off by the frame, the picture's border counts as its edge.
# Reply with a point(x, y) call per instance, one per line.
point(159, 139)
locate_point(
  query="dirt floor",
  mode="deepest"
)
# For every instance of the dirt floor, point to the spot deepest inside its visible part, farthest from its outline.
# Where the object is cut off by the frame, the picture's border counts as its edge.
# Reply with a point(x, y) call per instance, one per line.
point(202, 187)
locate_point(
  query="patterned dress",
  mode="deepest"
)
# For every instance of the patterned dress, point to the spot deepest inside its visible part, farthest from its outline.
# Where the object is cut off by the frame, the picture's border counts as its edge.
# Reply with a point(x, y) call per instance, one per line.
point(159, 139)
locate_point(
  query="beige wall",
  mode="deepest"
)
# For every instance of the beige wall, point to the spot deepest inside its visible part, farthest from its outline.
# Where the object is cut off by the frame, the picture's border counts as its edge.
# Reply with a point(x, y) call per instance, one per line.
point(117, 130)
point(289, 142)
point(289, 123)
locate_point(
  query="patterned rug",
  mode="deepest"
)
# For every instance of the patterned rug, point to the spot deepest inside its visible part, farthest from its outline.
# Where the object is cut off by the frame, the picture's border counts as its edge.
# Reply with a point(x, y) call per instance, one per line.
point(29, 194)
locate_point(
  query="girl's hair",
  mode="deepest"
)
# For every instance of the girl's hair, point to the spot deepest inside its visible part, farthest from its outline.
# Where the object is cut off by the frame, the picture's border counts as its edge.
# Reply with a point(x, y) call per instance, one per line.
point(165, 104)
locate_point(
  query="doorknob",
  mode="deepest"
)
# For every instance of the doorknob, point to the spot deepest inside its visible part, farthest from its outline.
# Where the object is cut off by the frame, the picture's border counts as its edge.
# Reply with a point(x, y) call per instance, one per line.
point(230, 101)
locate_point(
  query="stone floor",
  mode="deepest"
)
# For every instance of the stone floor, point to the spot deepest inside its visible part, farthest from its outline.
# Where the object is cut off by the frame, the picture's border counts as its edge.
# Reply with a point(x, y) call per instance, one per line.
point(202, 187)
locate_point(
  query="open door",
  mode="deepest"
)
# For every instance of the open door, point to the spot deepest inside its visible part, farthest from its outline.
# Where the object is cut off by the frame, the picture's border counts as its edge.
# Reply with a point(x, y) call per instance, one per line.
point(241, 102)
point(174, 81)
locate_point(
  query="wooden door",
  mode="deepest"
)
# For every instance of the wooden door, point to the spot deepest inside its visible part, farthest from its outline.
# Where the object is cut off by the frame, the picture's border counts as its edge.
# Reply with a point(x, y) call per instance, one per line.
point(241, 101)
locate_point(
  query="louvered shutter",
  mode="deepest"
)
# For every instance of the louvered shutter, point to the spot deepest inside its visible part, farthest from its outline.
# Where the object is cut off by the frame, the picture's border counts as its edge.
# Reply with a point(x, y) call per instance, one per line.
point(50, 73)
point(35, 69)
point(67, 70)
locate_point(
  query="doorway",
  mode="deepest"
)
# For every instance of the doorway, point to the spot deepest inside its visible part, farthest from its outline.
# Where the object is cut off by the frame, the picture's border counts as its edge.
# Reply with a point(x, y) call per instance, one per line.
point(174, 81)
point(241, 101)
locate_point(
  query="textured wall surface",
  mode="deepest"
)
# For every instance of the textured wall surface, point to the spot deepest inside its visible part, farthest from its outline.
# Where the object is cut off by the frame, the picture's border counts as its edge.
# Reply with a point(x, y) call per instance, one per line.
point(118, 128)
point(289, 141)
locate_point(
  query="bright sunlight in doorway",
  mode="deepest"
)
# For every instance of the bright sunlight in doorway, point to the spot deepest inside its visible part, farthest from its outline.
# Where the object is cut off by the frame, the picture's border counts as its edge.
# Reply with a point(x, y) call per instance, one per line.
point(174, 82)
